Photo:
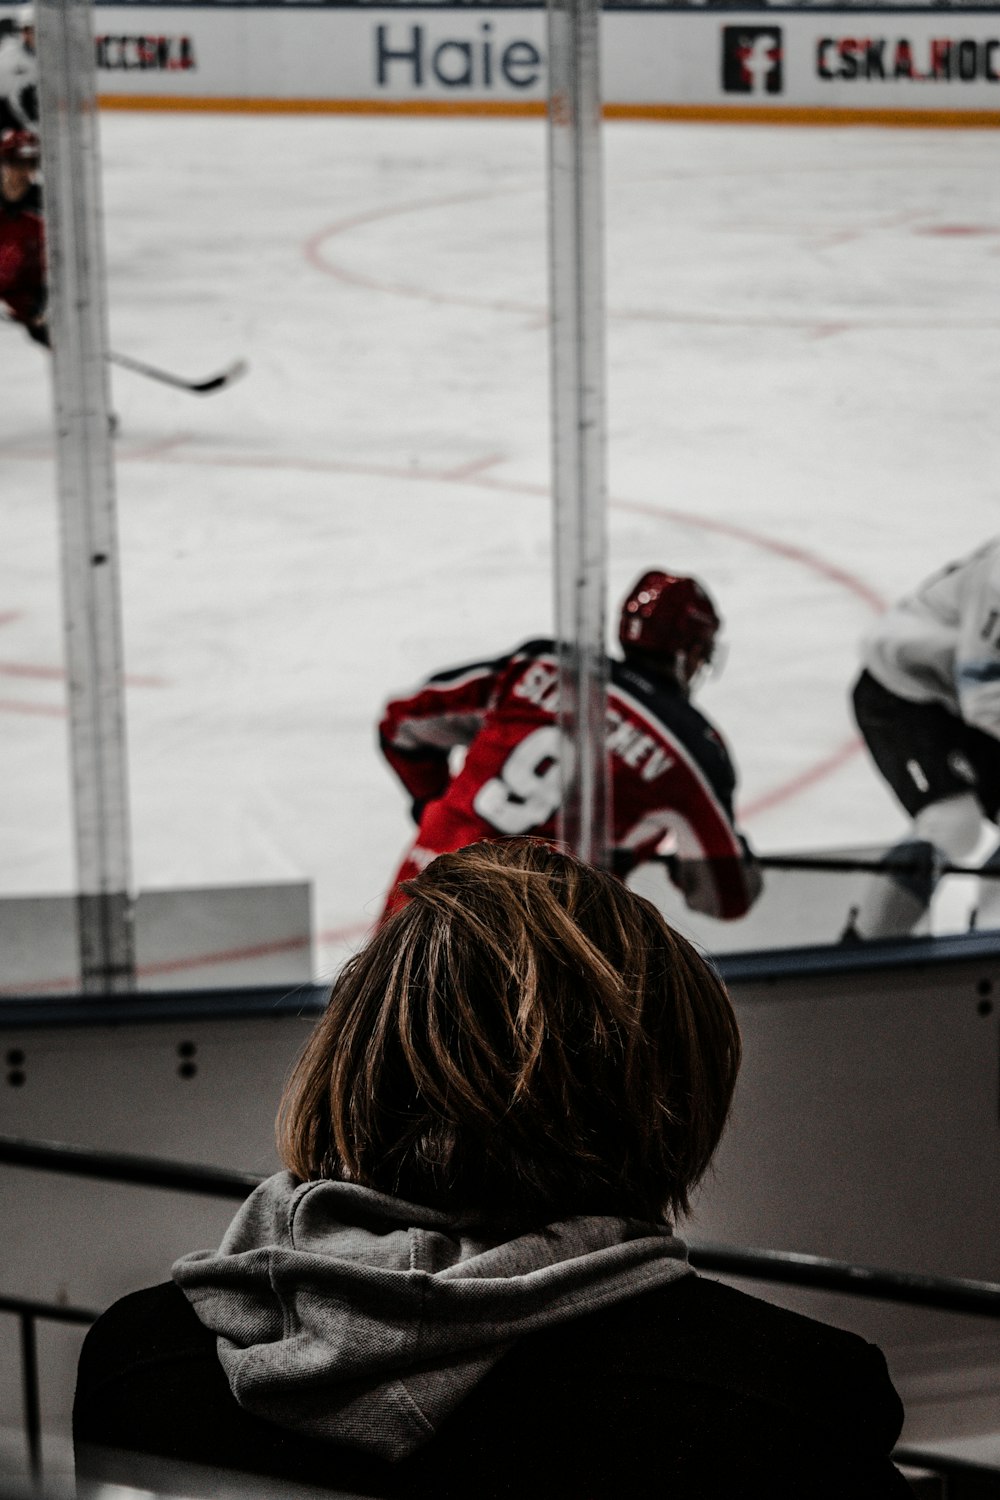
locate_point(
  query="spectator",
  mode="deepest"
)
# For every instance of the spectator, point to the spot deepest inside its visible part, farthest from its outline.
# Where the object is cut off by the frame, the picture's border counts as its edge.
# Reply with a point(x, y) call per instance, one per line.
point(466, 1283)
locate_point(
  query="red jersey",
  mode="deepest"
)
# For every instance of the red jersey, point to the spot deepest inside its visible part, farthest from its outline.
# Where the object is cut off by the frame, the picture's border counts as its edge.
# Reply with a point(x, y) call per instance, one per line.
point(671, 777)
point(22, 256)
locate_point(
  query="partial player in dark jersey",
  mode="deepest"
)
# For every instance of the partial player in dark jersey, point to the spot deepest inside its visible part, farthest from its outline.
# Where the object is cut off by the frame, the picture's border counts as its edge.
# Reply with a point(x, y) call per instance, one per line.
point(22, 233)
point(23, 270)
point(672, 779)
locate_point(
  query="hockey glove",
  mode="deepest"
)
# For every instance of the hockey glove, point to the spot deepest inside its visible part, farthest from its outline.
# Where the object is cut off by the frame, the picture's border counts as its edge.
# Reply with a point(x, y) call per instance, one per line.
point(39, 331)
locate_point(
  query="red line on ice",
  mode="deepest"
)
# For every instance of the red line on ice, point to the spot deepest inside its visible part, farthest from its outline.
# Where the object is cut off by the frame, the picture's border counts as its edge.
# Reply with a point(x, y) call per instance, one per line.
point(58, 674)
point(473, 467)
point(43, 710)
point(313, 250)
point(49, 674)
point(788, 550)
point(800, 783)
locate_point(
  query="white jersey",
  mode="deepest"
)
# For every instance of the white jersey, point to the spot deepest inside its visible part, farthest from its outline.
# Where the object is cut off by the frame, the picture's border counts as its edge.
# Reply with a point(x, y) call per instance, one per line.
point(19, 81)
point(941, 644)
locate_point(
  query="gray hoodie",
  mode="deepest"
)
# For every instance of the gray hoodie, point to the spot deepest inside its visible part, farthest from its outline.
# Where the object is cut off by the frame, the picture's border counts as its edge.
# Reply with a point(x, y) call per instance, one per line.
point(355, 1317)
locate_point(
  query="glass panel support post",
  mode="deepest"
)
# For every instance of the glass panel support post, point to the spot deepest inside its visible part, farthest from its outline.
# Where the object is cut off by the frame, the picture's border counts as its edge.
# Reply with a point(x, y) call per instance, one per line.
point(576, 274)
point(85, 476)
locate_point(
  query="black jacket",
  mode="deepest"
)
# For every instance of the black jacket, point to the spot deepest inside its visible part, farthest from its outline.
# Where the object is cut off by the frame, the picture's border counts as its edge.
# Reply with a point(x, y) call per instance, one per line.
point(693, 1391)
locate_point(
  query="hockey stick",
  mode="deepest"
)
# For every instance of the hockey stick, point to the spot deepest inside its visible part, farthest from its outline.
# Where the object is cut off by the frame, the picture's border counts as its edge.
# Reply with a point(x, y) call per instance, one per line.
point(205, 387)
point(218, 382)
point(824, 864)
point(871, 866)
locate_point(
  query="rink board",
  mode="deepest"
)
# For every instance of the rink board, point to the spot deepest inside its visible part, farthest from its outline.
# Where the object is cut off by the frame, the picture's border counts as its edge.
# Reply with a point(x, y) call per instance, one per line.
point(865, 1128)
point(218, 936)
point(937, 67)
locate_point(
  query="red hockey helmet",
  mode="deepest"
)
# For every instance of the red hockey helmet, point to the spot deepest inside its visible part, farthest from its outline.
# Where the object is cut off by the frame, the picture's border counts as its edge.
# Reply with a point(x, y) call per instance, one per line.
point(20, 146)
point(671, 616)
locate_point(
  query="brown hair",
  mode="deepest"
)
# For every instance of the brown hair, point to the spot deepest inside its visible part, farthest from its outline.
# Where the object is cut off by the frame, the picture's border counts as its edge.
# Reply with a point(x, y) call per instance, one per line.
point(525, 1038)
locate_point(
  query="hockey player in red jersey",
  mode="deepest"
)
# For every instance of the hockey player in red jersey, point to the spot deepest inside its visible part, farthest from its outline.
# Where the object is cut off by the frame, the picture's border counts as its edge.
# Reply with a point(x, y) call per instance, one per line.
point(22, 233)
point(672, 780)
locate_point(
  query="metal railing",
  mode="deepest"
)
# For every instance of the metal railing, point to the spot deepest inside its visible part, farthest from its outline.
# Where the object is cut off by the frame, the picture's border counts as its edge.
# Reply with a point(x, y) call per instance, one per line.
point(789, 1268)
point(28, 1314)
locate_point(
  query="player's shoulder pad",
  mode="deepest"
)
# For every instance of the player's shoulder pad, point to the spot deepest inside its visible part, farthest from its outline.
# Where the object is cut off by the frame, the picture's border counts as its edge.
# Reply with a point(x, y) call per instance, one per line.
point(541, 646)
point(677, 714)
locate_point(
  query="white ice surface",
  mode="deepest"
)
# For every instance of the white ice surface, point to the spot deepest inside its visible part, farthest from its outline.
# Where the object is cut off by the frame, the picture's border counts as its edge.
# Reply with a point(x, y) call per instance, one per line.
point(803, 387)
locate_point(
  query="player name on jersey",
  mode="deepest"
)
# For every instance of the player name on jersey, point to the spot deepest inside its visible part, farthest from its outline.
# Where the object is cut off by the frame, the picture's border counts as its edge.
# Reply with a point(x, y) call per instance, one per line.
point(540, 686)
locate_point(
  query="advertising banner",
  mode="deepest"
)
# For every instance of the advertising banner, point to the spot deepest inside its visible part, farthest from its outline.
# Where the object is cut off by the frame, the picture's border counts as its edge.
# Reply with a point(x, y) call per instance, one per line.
point(655, 62)
point(881, 60)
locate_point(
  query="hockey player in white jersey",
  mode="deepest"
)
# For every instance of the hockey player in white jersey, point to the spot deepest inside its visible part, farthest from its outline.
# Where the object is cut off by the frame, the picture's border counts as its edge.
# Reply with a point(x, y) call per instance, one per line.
point(928, 705)
point(19, 75)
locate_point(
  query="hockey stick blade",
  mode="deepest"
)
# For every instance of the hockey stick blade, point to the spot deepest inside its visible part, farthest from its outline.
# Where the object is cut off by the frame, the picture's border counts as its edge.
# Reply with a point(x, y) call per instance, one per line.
point(225, 377)
point(218, 382)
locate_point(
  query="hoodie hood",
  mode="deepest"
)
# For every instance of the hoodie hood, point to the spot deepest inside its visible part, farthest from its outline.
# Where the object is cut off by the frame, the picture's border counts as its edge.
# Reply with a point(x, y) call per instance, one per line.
point(354, 1317)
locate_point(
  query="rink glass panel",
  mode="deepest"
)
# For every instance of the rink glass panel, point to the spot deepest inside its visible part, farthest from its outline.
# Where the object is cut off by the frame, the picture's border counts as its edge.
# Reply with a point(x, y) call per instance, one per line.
point(800, 354)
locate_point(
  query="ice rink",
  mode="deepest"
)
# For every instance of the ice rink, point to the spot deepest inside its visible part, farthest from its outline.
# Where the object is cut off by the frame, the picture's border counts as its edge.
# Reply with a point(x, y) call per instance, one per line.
point(803, 385)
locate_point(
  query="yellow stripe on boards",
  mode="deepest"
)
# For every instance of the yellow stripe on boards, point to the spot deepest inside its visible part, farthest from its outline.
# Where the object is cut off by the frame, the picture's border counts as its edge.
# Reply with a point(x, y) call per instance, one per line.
point(806, 114)
point(512, 107)
point(775, 114)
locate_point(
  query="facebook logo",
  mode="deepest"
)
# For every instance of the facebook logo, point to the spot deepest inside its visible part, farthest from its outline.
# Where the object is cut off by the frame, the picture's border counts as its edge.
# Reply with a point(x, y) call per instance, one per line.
point(751, 60)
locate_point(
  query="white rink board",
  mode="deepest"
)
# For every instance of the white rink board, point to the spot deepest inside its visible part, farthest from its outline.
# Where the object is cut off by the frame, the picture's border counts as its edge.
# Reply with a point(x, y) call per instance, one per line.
point(222, 936)
point(470, 56)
